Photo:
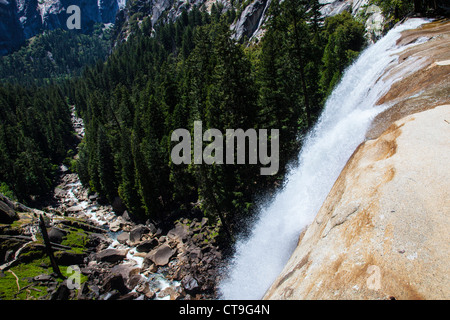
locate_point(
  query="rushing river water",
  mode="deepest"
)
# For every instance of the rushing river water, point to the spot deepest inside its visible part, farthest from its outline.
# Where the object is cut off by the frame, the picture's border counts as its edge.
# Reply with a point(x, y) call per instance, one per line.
point(341, 128)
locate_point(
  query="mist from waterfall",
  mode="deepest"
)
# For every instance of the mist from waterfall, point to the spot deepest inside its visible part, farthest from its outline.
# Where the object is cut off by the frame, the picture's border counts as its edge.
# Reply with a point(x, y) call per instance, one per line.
point(259, 258)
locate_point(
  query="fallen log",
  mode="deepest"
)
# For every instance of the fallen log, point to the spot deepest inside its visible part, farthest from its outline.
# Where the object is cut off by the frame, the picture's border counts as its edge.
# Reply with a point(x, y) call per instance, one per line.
point(29, 238)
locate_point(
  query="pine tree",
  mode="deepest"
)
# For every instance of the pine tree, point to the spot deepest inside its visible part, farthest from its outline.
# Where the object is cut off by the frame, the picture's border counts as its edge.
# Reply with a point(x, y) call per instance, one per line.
point(105, 163)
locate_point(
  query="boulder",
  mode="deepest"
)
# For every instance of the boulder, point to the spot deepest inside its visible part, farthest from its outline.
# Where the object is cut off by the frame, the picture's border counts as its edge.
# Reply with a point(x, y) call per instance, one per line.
point(7, 214)
point(195, 253)
point(97, 240)
point(74, 209)
point(152, 228)
point(115, 282)
point(117, 224)
point(68, 258)
point(111, 255)
point(180, 232)
point(93, 197)
point(43, 278)
point(137, 232)
point(135, 280)
point(123, 237)
point(161, 255)
point(190, 283)
point(173, 293)
point(126, 216)
point(144, 289)
point(126, 270)
point(60, 193)
point(129, 296)
point(147, 245)
point(56, 235)
point(61, 293)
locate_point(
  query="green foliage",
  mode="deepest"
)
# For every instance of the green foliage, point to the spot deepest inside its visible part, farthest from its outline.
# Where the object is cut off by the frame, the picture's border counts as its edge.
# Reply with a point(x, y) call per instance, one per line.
point(6, 191)
point(8, 284)
point(52, 55)
point(191, 70)
point(164, 79)
point(24, 271)
point(35, 132)
point(395, 10)
point(76, 239)
point(345, 40)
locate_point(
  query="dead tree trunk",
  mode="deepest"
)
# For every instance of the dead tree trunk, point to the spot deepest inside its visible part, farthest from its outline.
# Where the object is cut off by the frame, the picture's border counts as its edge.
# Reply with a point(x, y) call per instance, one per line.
point(48, 247)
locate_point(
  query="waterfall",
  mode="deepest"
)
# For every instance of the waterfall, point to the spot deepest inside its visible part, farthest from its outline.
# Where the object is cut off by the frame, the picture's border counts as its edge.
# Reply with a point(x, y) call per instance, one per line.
point(259, 258)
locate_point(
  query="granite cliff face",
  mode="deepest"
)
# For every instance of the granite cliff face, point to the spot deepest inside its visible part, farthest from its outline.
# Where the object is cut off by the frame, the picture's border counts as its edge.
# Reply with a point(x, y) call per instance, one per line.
point(252, 18)
point(23, 19)
point(11, 36)
point(382, 232)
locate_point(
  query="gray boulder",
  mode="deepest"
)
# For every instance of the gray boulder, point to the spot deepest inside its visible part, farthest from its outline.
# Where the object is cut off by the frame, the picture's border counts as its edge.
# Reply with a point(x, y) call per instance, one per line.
point(161, 255)
point(137, 232)
point(56, 235)
point(190, 283)
point(123, 237)
point(147, 245)
point(180, 232)
point(115, 282)
point(7, 214)
point(111, 255)
point(126, 270)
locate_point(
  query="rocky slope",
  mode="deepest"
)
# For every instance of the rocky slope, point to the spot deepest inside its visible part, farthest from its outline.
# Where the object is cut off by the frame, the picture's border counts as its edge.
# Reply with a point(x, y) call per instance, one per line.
point(382, 232)
point(250, 24)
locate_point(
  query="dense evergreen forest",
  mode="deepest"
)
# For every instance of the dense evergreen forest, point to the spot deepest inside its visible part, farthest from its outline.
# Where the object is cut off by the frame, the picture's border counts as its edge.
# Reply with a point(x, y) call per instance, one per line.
point(54, 55)
point(164, 79)
point(35, 135)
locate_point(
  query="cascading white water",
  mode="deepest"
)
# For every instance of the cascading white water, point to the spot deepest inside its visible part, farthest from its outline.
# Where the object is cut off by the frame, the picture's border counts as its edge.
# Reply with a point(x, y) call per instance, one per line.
point(260, 258)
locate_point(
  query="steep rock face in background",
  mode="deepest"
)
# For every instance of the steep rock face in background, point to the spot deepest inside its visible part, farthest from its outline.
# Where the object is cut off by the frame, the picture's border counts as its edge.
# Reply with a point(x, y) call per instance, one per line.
point(374, 22)
point(251, 19)
point(11, 36)
point(23, 19)
point(29, 17)
point(158, 10)
point(108, 10)
point(167, 10)
point(382, 232)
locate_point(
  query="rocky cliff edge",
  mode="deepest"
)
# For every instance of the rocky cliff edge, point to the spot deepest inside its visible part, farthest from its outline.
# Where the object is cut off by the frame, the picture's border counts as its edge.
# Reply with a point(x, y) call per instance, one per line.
point(382, 232)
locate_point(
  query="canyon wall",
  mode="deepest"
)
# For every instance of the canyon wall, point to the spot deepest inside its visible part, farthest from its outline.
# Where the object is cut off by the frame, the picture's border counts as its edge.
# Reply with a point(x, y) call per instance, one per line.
point(23, 19)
